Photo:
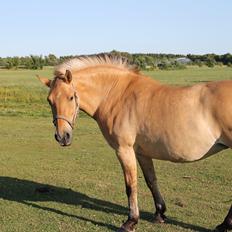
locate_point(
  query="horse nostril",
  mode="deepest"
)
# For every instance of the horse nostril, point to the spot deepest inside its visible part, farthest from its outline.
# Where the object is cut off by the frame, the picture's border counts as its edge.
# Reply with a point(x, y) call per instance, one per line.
point(67, 136)
point(56, 137)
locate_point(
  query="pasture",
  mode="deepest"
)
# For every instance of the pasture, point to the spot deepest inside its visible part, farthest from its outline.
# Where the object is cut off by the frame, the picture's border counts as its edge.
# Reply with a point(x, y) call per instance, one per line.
point(85, 180)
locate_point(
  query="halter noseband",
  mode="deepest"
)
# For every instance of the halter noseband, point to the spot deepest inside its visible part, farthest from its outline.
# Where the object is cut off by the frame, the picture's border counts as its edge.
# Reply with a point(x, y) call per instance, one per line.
point(71, 123)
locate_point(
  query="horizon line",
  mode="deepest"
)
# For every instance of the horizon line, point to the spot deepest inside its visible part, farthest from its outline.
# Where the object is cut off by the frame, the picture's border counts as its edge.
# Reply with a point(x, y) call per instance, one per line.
point(132, 53)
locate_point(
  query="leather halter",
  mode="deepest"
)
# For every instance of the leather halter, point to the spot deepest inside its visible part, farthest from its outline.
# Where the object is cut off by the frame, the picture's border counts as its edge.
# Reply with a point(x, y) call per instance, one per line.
point(71, 123)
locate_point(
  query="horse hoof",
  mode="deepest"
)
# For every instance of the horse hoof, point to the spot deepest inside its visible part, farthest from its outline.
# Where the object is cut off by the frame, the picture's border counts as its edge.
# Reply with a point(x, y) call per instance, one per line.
point(122, 229)
point(159, 218)
point(128, 226)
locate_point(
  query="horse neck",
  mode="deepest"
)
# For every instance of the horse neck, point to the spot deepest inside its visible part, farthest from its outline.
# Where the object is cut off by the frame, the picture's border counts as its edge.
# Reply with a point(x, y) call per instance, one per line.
point(93, 89)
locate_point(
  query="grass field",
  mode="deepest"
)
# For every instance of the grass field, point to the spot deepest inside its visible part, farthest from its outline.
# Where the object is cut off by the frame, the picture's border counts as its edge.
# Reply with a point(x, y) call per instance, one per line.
point(86, 181)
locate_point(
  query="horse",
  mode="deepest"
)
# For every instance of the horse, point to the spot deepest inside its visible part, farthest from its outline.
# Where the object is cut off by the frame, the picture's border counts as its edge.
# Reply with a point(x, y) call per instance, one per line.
point(142, 119)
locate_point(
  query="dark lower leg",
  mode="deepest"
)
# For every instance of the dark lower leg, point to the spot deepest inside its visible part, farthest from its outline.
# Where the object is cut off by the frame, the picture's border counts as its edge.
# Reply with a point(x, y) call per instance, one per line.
point(133, 216)
point(147, 167)
point(159, 205)
point(227, 223)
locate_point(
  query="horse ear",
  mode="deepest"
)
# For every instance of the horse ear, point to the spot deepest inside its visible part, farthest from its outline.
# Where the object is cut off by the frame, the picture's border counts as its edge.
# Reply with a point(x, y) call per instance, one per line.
point(68, 76)
point(45, 81)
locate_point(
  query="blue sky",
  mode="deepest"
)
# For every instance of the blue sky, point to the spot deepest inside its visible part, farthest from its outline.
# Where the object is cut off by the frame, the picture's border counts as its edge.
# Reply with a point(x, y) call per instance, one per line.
point(65, 27)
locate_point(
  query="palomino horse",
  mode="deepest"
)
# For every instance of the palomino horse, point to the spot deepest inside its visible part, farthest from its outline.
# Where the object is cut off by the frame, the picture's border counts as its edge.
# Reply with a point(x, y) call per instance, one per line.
point(142, 119)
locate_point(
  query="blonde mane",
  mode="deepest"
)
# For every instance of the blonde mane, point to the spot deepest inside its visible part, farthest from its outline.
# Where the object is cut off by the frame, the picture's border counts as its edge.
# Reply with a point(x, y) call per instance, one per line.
point(82, 62)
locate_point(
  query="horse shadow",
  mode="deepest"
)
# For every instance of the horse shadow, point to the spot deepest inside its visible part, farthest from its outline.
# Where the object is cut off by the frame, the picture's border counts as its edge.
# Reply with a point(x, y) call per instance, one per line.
point(29, 192)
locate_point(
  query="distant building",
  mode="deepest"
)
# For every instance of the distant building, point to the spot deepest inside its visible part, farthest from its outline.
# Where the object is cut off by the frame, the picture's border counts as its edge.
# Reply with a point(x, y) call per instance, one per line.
point(183, 60)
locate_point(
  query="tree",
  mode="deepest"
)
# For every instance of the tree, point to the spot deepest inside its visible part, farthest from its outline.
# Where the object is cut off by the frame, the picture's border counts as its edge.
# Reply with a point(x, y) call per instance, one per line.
point(149, 61)
point(15, 62)
point(51, 60)
point(210, 63)
point(9, 63)
point(37, 62)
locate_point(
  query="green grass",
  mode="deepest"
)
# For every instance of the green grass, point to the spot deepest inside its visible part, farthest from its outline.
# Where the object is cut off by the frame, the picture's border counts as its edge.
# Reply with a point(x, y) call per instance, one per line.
point(86, 181)
point(21, 93)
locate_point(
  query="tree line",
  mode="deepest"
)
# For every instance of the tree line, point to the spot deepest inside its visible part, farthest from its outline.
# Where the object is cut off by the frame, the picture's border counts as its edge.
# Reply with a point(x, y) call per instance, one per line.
point(147, 61)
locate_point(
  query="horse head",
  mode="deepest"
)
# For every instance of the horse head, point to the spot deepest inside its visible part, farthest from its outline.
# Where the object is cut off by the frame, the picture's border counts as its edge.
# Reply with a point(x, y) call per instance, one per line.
point(64, 102)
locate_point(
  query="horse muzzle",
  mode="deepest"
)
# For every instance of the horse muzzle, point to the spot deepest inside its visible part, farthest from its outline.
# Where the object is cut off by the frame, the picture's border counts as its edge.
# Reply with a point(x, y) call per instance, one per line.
point(64, 140)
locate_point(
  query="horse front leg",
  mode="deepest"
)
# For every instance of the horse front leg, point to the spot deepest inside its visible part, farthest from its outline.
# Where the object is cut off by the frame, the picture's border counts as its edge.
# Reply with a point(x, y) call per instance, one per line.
point(127, 159)
point(227, 223)
point(147, 167)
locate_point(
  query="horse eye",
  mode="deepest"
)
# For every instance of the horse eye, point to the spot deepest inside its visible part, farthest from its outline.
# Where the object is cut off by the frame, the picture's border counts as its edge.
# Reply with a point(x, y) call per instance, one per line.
point(71, 98)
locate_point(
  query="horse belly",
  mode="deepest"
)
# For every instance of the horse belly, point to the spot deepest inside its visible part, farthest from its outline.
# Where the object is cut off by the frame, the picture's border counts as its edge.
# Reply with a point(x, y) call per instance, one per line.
point(186, 149)
point(161, 152)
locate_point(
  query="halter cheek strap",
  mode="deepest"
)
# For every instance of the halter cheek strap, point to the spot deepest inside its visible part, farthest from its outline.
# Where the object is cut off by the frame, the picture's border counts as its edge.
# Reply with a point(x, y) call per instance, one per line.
point(71, 123)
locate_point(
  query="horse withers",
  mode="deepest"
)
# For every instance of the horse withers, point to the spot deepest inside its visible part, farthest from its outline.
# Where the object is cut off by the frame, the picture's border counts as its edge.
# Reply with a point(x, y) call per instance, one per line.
point(142, 119)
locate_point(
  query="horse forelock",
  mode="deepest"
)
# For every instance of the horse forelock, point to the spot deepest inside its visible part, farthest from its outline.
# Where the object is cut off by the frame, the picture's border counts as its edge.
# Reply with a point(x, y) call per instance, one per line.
point(76, 64)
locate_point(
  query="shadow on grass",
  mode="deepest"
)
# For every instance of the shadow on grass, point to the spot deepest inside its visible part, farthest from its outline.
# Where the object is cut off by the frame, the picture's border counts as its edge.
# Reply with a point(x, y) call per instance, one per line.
point(28, 192)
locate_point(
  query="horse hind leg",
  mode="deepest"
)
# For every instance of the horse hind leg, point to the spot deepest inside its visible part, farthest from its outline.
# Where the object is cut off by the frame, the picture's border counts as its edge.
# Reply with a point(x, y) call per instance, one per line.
point(226, 225)
point(148, 170)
